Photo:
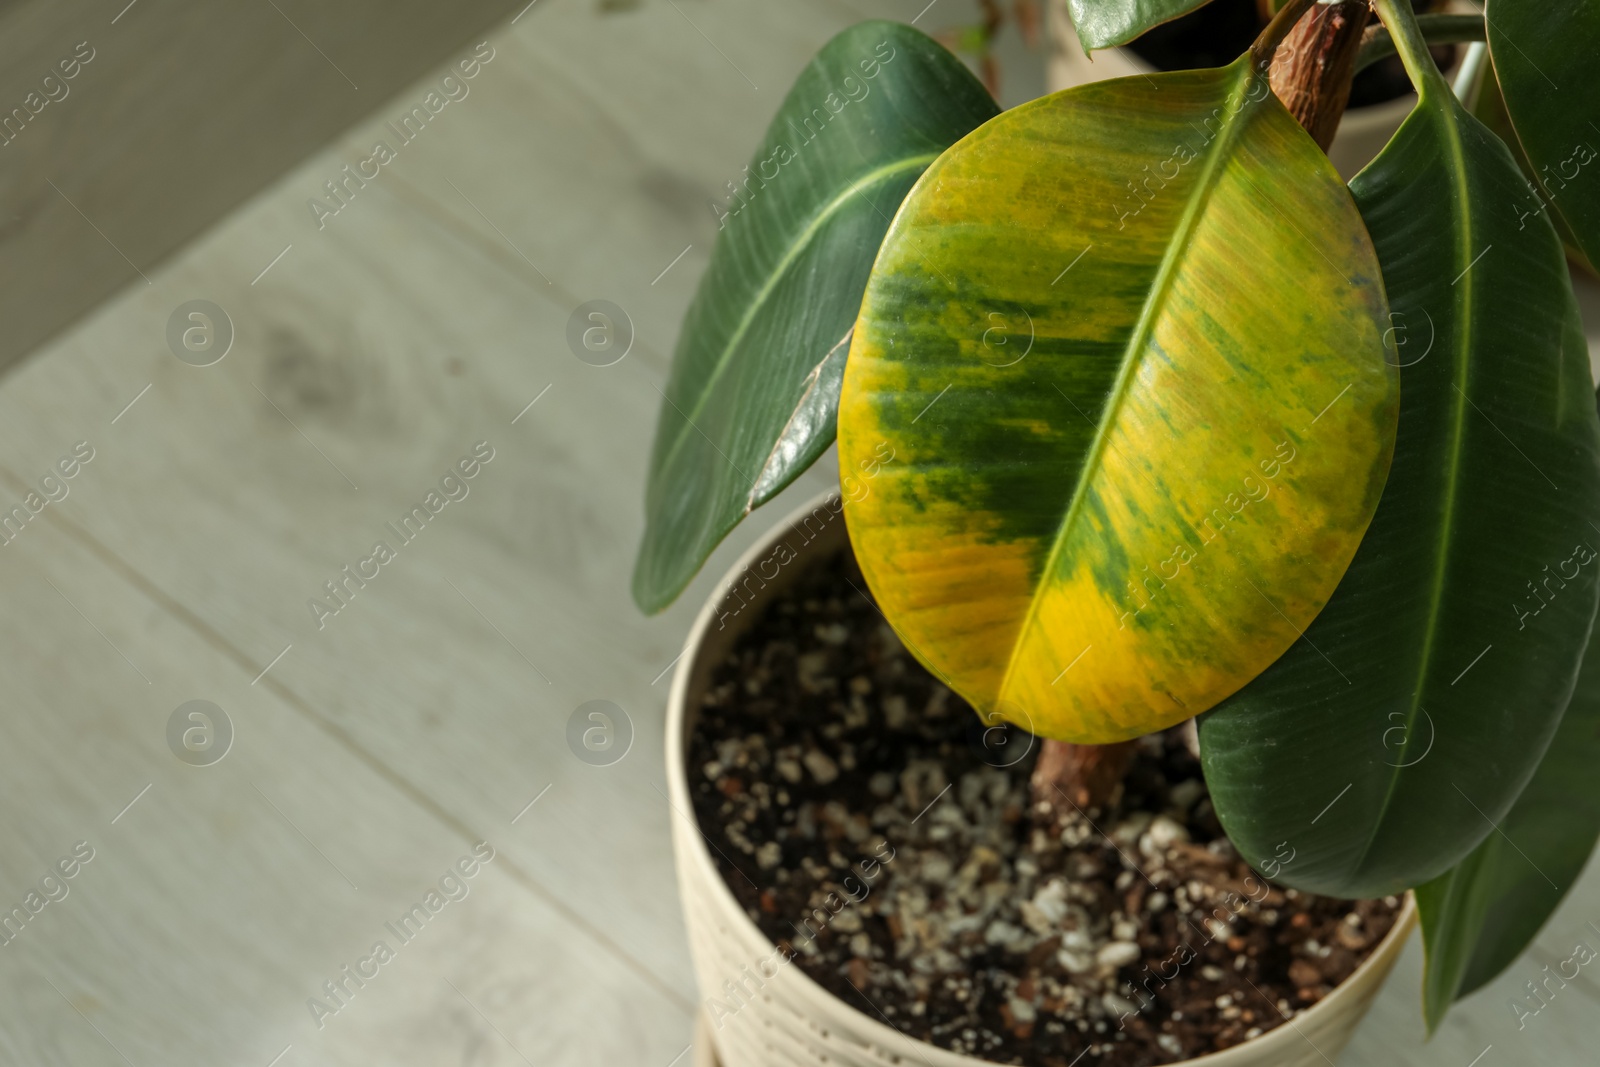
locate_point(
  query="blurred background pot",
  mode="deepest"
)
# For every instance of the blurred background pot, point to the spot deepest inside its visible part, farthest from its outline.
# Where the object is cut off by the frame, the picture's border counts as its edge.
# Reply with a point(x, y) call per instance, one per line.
point(785, 1017)
point(1215, 35)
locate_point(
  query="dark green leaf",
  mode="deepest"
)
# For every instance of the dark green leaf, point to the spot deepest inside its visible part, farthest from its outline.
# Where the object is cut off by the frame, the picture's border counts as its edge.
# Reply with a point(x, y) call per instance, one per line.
point(1379, 749)
point(1545, 58)
point(1107, 23)
point(755, 377)
point(1490, 109)
point(1481, 915)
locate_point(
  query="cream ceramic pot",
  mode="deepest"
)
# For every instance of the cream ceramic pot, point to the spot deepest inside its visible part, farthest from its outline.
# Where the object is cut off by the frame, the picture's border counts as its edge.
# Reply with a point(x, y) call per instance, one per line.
point(781, 1016)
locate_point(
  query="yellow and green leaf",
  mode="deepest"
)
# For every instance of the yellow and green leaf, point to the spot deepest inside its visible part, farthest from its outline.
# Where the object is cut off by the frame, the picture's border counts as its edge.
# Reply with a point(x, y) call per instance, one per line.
point(1119, 377)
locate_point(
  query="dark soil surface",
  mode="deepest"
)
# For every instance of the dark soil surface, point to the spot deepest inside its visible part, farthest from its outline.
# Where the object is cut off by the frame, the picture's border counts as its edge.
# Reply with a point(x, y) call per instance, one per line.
point(879, 835)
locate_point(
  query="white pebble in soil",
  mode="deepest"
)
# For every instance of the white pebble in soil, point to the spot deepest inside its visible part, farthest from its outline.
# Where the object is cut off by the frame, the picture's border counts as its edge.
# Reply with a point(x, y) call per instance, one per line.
point(1164, 832)
point(833, 633)
point(822, 768)
point(1117, 954)
point(1022, 1011)
point(1050, 900)
point(1116, 1007)
point(1074, 962)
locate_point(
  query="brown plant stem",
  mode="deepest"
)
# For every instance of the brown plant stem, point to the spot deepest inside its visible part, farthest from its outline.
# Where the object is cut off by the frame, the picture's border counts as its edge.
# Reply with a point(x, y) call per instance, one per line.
point(1087, 777)
point(1313, 67)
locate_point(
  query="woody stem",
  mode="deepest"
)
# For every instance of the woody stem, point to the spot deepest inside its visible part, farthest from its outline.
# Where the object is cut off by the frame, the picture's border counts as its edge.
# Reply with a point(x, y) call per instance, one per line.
point(1085, 777)
point(1314, 66)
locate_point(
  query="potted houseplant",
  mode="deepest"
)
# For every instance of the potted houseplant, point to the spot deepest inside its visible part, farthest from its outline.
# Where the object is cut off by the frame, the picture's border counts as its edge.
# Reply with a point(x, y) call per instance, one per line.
point(1254, 511)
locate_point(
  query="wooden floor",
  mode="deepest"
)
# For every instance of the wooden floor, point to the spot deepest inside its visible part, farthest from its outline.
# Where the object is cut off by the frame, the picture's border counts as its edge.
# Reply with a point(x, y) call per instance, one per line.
point(170, 121)
point(372, 752)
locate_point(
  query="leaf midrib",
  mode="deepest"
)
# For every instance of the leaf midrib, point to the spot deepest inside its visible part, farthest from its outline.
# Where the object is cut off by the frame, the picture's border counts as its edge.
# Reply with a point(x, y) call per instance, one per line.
point(1464, 334)
point(811, 380)
point(1199, 197)
point(876, 176)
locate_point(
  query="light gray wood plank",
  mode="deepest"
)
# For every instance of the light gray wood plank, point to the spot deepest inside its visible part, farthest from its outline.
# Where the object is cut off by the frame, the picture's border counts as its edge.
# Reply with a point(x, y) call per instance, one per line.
point(218, 899)
point(175, 120)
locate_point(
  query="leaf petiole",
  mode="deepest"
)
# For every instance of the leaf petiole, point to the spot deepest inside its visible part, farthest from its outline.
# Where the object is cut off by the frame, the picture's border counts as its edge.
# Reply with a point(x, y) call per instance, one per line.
point(1266, 44)
point(1377, 44)
point(1406, 37)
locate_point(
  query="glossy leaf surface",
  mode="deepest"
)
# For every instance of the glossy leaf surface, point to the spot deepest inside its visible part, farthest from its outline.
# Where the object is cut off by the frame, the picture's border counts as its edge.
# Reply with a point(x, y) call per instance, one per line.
point(1121, 364)
point(1479, 916)
point(1545, 59)
point(752, 397)
point(1490, 109)
point(1107, 23)
point(1380, 747)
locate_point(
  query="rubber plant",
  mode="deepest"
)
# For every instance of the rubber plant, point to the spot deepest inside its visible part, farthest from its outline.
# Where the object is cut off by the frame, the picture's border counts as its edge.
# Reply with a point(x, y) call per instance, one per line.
point(1164, 421)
